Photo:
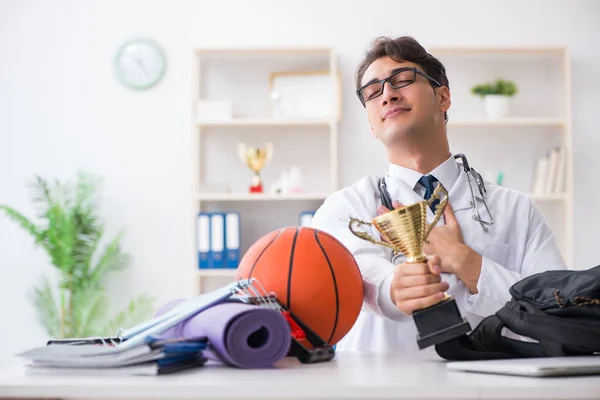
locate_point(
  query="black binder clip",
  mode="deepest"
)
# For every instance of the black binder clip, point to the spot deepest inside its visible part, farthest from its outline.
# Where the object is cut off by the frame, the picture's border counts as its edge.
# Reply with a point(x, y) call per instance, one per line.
point(306, 345)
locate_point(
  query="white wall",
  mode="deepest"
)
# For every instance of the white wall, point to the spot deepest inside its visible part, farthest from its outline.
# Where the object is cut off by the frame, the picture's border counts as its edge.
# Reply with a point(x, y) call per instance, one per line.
point(62, 109)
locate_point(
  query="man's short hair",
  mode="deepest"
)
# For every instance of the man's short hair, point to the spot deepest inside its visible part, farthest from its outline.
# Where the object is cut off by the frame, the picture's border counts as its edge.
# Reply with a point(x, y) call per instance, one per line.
point(403, 49)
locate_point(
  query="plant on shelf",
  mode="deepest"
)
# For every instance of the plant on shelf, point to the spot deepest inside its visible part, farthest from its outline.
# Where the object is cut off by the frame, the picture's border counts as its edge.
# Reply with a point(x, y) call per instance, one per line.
point(496, 96)
point(70, 232)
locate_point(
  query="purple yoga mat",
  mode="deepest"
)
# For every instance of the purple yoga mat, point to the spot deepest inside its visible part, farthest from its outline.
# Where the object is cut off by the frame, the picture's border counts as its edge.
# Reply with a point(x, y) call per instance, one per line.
point(242, 335)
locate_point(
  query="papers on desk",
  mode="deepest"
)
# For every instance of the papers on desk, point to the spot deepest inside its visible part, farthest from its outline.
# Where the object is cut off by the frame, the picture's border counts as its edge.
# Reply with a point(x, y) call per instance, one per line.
point(156, 356)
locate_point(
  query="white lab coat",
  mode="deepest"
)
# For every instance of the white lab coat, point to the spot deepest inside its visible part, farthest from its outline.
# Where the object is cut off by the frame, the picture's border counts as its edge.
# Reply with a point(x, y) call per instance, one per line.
point(517, 245)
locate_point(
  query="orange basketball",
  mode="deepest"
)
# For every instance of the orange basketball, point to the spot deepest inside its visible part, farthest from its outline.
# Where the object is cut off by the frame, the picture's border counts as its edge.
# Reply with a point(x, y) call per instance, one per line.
point(313, 275)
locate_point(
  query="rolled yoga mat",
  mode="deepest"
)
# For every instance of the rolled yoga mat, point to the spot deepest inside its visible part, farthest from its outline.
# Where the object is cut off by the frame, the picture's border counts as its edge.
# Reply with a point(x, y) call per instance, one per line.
point(241, 335)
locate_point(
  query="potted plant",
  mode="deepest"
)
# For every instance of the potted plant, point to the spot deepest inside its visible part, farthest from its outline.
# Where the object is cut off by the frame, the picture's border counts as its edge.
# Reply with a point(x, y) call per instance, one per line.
point(496, 96)
point(71, 232)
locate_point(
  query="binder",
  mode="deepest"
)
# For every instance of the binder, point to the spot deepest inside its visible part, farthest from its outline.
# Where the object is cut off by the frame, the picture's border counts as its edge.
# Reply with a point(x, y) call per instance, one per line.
point(232, 239)
point(305, 218)
point(217, 240)
point(203, 240)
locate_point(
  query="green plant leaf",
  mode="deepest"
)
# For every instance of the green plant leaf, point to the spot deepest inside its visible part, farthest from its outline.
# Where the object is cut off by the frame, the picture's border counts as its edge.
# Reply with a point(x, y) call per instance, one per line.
point(23, 222)
point(112, 259)
point(44, 302)
point(499, 86)
point(90, 308)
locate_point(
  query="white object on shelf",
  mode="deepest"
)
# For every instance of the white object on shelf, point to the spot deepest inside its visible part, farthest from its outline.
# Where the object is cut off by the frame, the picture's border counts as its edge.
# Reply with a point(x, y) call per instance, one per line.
point(280, 108)
point(310, 94)
point(294, 180)
point(496, 106)
point(549, 174)
point(283, 182)
point(552, 170)
point(213, 110)
point(562, 171)
point(540, 175)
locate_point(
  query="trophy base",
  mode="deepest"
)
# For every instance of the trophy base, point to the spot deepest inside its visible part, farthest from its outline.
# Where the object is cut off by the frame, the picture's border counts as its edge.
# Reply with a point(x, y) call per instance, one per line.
point(439, 323)
point(256, 189)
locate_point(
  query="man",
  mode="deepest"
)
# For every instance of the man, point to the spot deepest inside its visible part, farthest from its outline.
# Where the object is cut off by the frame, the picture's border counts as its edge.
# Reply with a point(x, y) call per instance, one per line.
point(406, 95)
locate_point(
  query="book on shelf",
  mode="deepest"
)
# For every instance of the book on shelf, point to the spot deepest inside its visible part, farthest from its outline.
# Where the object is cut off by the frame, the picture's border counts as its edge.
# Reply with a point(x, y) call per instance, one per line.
point(550, 173)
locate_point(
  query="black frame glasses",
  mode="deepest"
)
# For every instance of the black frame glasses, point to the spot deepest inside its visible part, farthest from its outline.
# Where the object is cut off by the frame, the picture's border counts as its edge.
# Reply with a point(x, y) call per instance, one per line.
point(389, 80)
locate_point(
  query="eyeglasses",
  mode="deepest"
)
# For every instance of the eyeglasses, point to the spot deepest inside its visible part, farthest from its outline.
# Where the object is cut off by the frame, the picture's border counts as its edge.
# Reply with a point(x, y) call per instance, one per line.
point(400, 78)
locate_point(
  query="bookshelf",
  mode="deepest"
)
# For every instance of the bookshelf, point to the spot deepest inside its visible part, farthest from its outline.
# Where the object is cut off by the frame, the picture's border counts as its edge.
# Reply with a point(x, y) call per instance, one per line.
point(243, 77)
point(538, 121)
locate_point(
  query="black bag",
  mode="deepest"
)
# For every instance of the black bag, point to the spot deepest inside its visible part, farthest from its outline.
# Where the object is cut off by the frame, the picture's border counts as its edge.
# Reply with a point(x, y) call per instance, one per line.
point(559, 309)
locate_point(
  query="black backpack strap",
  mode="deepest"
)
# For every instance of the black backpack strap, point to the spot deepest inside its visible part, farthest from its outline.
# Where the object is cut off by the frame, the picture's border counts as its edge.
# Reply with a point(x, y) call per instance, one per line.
point(486, 342)
point(555, 334)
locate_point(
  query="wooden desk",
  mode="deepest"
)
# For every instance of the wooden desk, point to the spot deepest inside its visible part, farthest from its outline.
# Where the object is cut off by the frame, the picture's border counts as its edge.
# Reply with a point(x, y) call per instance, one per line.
point(349, 376)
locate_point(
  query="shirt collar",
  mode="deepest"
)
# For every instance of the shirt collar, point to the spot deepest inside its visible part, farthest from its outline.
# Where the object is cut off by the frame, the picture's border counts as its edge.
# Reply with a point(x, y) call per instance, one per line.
point(446, 173)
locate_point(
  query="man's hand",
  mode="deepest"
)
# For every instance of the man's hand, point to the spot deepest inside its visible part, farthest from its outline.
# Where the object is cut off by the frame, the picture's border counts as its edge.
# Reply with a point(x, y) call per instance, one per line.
point(446, 241)
point(459, 259)
point(417, 286)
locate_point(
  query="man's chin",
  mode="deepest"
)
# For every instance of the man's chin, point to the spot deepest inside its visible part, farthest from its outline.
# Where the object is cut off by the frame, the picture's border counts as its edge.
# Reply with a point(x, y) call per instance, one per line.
point(398, 133)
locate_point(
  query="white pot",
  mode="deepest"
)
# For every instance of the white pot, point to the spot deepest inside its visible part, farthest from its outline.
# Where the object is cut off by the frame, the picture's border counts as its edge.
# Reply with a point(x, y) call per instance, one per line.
point(496, 105)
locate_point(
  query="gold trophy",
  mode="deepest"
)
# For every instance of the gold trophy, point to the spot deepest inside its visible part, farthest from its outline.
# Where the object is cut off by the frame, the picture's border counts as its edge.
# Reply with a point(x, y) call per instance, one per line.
point(405, 230)
point(255, 158)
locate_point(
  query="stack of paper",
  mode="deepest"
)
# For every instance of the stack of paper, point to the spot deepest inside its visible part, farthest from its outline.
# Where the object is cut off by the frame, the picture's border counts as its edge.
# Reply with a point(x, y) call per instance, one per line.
point(155, 357)
point(550, 172)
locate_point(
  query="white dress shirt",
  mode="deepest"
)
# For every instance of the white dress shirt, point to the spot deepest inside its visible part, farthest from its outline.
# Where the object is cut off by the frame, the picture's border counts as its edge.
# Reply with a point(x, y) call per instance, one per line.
point(517, 245)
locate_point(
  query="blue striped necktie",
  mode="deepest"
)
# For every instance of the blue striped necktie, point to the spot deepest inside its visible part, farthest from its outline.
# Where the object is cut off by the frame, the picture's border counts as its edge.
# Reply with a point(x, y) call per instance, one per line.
point(428, 181)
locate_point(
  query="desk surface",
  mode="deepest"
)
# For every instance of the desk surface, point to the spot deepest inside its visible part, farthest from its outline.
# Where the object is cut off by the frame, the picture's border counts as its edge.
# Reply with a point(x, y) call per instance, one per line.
point(348, 376)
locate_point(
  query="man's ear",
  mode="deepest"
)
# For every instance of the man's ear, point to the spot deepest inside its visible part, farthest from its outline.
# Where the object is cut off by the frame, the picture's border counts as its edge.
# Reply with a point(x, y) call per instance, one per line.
point(444, 99)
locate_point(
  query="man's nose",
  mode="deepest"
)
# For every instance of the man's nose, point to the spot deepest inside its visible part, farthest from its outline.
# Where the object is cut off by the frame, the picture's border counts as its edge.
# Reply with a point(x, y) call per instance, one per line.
point(389, 95)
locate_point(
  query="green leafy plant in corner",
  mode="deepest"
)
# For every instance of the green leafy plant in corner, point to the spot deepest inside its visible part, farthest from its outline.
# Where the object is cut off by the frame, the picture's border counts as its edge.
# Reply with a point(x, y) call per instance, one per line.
point(70, 231)
point(500, 86)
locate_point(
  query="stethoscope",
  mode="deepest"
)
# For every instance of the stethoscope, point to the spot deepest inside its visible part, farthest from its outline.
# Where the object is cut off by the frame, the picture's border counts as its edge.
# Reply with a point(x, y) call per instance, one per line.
point(471, 174)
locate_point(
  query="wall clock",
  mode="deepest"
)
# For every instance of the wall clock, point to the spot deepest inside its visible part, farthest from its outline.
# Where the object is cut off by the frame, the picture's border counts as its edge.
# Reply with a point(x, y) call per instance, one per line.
point(140, 64)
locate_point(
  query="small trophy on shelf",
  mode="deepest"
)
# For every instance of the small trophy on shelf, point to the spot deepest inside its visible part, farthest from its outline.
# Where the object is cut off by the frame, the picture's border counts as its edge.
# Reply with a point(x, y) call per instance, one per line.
point(256, 159)
point(405, 230)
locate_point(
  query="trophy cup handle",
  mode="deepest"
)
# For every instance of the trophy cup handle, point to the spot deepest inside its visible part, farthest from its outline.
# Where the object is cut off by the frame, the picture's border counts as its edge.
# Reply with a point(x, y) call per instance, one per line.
point(365, 235)
point(439, 210)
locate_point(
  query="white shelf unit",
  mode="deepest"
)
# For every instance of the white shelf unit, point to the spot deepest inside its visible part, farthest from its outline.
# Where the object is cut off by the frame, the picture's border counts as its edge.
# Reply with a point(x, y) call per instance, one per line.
point(539, 119)
point(242, 76)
